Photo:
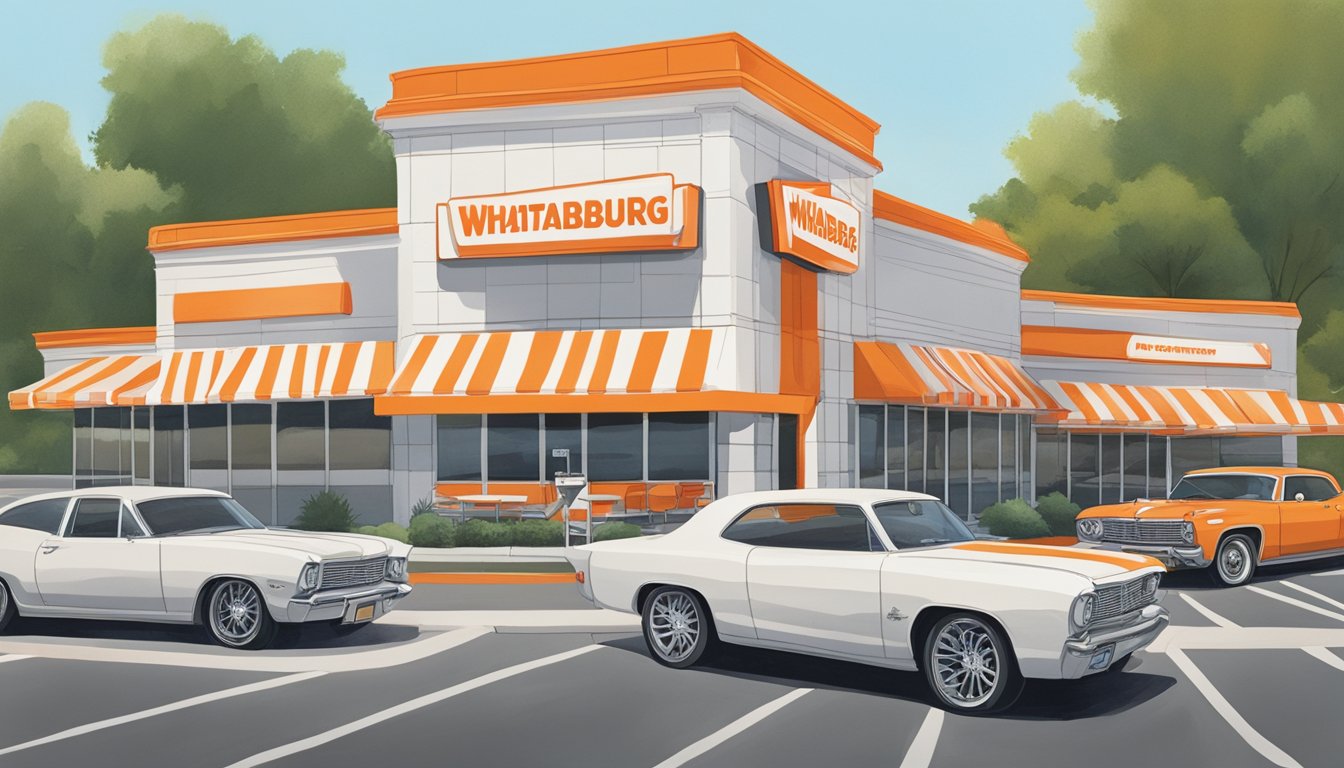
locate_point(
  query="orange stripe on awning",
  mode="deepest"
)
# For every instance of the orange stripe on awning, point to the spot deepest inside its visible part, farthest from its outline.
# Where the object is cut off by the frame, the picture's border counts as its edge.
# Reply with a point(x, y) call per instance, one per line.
point(646, 361)
point(487, 368)
point(926, 375)
point(606, 356)
point(578, 352)
point(695, 362)
point(540, 356)
point(235, 378)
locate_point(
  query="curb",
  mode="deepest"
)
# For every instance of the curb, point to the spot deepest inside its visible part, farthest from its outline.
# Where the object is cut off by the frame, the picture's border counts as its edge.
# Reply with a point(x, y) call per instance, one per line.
point(595, 621)
point(488, 554)
point(492, 578)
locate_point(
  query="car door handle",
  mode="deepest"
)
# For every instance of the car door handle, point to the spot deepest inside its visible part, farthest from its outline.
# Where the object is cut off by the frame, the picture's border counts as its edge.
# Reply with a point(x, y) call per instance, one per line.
point(47, 549)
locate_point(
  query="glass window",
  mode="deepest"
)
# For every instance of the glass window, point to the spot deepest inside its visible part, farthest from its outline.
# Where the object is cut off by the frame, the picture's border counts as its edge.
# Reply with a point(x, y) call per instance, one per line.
point(1008, 474)
point(1110, 469)
point(186, 514)
point(788, 451)
point(805, 526)
point(1135, 476)
point(1084, 482)
point(872, 447)
point(459, 444)
point(615, 447)
point(130, 529)
point(935, 453)
point(251, 441)
point(209, 441)
point(512, 443)
point(1250, 451)
point(360, 438)
point(83, 441)
point(140, 438)
point(1191, 453)
point(679, 446)
point(1157, 467)
point(1312, 488)
point(43, 515)
point(95, 519)
point(984, 461)
point(168, 458)
point(958, 463)
point(124, 444)
point(920, 523)
point(1052, 470)
point(896, 446)
point(1249, 487)
point(914, 450)
point(563, 430)
point(300, 436)
point(107, 425)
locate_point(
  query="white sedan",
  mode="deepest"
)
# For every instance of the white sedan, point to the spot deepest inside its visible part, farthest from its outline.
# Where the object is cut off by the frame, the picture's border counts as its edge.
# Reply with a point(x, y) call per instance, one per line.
point(888, 578)
point(185, 555)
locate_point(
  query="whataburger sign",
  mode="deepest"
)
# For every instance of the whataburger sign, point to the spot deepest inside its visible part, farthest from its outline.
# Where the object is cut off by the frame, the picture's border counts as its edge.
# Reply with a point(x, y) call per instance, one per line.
point(808, 222)
point(1166, 349)
point(640, 213)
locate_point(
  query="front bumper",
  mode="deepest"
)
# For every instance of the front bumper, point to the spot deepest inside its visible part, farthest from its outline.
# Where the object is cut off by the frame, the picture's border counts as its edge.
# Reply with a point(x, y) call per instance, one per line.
point(345, 604)
point(1102, 647)
point(1191, 556)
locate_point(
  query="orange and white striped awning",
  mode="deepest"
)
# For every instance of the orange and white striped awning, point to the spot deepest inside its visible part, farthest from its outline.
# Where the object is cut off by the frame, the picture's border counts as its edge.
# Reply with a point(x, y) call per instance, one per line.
point(634, 361)
point(1193, 410)
point(928, 375)
point(97, 381)
point(274, 372)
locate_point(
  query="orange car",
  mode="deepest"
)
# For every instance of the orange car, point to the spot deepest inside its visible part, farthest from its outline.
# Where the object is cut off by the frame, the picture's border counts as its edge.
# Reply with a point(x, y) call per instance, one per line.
point(1232, 518)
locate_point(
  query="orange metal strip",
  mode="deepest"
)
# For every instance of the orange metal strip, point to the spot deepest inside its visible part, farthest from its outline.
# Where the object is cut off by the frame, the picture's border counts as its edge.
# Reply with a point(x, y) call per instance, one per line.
point(263, 303)
point(1219, 306)
point(272, 229)
point(606, 355)
point(648, 355)
point(457, 362)
point(891, 208)
point(654, 402)
point(540, 357)
point(91, 337)
point(695, 362)
point(578, 352)
point(487, 366)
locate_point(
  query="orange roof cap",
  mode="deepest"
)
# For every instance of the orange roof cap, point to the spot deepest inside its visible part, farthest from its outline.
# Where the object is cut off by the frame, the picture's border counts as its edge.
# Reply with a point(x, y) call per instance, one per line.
point(95, 337)
point(274, 229)
point(1220, 306)
point(982, 233)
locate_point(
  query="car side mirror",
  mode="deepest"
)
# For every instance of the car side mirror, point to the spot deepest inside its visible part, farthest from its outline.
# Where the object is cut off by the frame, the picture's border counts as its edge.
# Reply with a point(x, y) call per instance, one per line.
point(1299, 496)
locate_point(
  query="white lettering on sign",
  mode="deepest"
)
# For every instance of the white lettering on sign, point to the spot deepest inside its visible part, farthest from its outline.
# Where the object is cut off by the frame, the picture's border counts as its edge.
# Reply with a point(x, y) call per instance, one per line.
point(1197, 351)
point(813, 225)
point(642, 213)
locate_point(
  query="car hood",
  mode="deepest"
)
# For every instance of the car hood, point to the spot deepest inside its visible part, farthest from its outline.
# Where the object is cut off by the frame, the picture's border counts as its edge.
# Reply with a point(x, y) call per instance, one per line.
point(1162, 509)
point(1088, 563)
point(327, 546)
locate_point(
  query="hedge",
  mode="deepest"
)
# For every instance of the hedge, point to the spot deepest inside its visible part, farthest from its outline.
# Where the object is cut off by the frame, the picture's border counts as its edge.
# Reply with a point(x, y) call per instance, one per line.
point(1015, 519)
point(326, 511)
point(607, 531)
point(538, 533)
point(431, 531)
point(483, 533)
point(1059, 513)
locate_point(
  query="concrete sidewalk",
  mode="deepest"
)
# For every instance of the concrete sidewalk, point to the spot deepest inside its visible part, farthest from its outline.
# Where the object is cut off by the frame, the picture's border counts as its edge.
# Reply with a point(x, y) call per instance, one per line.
point(596, 620)
point(488, 554)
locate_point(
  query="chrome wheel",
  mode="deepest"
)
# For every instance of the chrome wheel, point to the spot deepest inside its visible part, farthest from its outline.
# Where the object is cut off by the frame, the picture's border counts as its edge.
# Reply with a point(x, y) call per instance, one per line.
point(674, 625)
point(235, 613)
point(1235, 561)
point(966, 663)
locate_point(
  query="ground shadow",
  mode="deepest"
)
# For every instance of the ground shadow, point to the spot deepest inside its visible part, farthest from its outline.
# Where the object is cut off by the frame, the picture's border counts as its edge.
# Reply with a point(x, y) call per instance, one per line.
point(1101, 695)
point(1198, 580)
point(292, 637)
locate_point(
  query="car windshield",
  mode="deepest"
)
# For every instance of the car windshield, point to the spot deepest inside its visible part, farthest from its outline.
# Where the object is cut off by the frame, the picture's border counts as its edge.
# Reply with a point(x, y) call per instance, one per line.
point(1253, 487)
point(195, 514)
point(920, 523)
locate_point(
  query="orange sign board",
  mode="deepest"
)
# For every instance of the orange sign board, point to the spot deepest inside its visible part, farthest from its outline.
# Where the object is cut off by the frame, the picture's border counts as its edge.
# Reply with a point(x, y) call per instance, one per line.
point(809, 222)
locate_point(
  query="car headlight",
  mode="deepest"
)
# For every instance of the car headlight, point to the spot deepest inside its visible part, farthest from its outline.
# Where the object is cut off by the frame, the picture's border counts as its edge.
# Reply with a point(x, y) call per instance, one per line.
point(1150, 585)
point(1080, 615)
point(308, 577)
point(396, 569)
point(1089, 529)
point(1188, 532)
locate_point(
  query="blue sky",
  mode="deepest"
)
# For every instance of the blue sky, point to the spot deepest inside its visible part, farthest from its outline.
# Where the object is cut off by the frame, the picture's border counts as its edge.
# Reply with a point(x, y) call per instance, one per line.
point(951, 81)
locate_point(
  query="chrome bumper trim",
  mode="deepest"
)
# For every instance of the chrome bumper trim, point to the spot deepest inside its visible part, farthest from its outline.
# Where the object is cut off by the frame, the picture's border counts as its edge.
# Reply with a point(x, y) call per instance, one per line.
point(1121, 640)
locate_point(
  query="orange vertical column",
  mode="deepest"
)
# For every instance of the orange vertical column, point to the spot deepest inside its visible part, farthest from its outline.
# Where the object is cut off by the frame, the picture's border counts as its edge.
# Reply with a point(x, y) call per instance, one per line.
point(800, 346)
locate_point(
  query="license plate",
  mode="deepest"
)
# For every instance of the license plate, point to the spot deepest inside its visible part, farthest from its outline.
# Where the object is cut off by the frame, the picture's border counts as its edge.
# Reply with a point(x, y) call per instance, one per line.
point(364, 612)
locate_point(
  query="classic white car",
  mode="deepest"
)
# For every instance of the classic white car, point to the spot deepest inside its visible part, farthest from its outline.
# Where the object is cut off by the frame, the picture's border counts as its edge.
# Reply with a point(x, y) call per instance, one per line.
point(888, 578)
point(186, 555)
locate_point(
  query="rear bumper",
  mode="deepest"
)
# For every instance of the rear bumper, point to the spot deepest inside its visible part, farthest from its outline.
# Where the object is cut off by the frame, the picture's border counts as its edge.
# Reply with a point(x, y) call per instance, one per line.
point(1097, 651)
point(343, 604)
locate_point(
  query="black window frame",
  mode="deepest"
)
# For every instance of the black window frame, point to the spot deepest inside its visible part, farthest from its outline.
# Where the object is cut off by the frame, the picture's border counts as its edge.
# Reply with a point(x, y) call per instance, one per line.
point(874, 543)
point(69, 530)
point(1290, 495)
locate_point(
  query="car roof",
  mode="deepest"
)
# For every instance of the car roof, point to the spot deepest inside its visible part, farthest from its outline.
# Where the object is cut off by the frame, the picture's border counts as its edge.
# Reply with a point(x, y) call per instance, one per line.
point(1274, 471)
point(131, 493)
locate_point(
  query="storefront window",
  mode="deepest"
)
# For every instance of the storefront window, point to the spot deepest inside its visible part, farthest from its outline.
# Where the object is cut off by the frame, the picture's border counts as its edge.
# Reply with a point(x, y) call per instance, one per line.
point(1157, 467)
point(984, 460)
point(169, 466)
point(140, 442)
point(251, 438)
point(1024, 461)
point(1191, 453)
point(1052, 462)
point(360, 439)
point(1110, 469)
point(679, 446)
point(1008, 458)
point(916, 431)
point(1084, 480)
point(512, 443)
point(1135, 476)
point(958, 463)
point(871, 444)
point(563, 430)
point(615, 446)
point(459, 443)
point(1250, 451)
point(896, 447)
point(83, 442)
point(788, 451)
point(209, 441)
point(108, 424)
point(300, 436)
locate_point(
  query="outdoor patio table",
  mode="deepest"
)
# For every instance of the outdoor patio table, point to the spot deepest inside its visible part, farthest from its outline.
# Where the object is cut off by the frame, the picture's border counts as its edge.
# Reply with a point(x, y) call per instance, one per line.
point(488, 500)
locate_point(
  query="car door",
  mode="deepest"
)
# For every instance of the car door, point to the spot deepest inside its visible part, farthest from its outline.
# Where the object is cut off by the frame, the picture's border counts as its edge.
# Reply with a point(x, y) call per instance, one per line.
point(102, 561)
point(1311, 524)
point(814, 576)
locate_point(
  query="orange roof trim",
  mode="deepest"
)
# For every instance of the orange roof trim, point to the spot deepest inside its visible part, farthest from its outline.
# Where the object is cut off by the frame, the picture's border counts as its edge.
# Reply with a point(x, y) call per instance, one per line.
point(1218, 306)
point(696, 64)
point(274, 229)
point(95, 337)
point(263, 303)
point(982, 233)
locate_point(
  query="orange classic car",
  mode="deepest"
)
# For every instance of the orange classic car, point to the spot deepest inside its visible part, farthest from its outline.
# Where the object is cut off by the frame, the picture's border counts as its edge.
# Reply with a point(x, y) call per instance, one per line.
point(1231, 518)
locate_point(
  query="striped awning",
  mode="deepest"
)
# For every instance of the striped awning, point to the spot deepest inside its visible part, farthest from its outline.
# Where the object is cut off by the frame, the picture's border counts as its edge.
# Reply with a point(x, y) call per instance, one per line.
point(274, 372)
point(97, 381)
point(1192, 410)
point(635, 361)
point(928, 375)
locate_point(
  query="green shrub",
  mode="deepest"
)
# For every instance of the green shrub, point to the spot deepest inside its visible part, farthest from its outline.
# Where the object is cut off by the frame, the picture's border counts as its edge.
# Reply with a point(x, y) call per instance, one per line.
point(424, 506)
point(326, 511)
point(367, 530)
point(607, 531)
point(1059, 513)
point(1014, 519)
point(431, 531)
point(482, 533)
point(538, 533)
point(392, 531)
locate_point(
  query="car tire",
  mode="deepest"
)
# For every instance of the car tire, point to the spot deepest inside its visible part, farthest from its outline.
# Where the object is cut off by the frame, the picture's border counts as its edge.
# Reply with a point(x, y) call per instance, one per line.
point(677, 627)
point(1234, 562)
point(7, 609)
point(236, 616)
point(969, 665)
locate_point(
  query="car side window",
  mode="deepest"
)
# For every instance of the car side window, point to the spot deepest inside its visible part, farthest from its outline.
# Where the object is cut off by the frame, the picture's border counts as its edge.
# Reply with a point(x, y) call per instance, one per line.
point(95, 519)
point(130, 529)
point(840, 527)
point(1311, 487)
point(43, 515)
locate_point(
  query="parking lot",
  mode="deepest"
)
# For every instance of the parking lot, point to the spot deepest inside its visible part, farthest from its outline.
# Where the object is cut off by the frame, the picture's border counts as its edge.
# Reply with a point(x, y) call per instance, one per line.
point(1249, 676)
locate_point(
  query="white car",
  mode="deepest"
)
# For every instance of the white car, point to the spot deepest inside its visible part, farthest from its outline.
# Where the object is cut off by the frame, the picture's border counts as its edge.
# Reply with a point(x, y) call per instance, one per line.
point(888, 578)
point(186, 555)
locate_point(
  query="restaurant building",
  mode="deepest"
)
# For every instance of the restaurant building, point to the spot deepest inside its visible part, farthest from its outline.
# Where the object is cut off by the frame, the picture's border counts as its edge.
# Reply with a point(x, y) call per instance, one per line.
point(671, 260)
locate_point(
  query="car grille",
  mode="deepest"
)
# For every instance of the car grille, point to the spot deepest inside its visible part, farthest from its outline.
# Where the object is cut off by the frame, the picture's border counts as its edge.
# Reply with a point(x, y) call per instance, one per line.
point(1142, 531)
point(353, 573)
point(1119, 599)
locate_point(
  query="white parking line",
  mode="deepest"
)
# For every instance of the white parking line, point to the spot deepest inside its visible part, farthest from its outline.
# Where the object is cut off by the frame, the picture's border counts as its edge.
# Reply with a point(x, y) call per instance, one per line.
point(227, 693)
point(1208, 614)
point(1259, 743)
point(325, 737)
point(14, 657)
point(920, 753)
point(1314, 593)
point(732, 729)
point(1326, 656)
point(1298, 603)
